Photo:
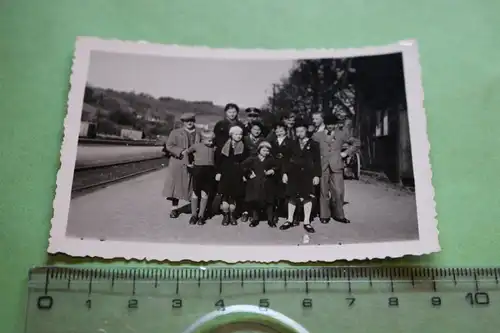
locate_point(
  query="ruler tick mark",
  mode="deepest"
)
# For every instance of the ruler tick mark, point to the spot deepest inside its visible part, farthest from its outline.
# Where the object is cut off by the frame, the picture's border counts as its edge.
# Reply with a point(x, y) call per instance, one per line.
point(434, 283)
point(177, 285)
point(156, 279)
point(46, 288)
point(90, 285)
point(133, 283)
point(496, 275)
point(199, 280)
point(285, 281)
point(349, 281)
point(392, 281)
point(307, 285)
point(69, 282)
point(242, 280)
point(220, 285)
point(454, 278)
point(476, 281)
point(412, 278)
point(370, 277)
point(263, 283)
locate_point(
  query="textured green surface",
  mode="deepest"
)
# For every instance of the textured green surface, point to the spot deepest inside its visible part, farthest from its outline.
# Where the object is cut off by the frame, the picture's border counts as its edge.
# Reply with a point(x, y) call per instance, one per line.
point(459, 53)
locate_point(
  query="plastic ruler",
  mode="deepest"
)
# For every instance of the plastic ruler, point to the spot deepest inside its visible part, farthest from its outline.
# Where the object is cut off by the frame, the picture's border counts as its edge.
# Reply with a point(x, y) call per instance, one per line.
point(263, 299)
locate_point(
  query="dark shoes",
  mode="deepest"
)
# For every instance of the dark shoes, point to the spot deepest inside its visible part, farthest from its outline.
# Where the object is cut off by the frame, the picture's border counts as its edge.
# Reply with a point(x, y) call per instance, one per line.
point(174, 214)
point(232, 219)
point(229, 219)
point(193, 220)
point(244, 217)
point(225, 219)
point(253, 223)
point(287, 225)
point(338, 219)
point(309, 228)
point(341, 219)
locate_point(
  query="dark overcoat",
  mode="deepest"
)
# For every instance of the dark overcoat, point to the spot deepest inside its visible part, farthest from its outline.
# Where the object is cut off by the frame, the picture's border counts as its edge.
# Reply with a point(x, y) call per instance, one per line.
point(281, 152)
point(261, 188)
point(303, 165)
point(178, 182)
point(231, 184)
point(252, 145)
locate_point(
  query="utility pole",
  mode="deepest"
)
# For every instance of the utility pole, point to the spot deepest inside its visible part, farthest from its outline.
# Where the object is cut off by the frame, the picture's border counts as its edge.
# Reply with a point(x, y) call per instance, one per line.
point(273, 104)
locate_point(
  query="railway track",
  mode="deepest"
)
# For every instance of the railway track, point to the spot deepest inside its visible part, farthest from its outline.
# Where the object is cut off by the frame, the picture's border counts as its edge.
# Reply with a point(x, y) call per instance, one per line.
point(91, 177)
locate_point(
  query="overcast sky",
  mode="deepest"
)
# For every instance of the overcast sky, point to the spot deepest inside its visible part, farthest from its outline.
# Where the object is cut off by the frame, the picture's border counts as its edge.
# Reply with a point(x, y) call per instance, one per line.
point(244, 82)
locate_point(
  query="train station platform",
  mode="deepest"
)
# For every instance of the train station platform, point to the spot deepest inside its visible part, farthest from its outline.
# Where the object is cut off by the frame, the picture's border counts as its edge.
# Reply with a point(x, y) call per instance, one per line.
point(135, 210)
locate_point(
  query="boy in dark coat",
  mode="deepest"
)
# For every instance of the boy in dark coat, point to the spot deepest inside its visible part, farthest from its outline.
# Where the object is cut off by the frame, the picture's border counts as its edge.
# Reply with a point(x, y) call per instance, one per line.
point(260, 171)
point(252, 139)
point(280, 143)
point(302, 174)
point(254, 115)
point(254, 136)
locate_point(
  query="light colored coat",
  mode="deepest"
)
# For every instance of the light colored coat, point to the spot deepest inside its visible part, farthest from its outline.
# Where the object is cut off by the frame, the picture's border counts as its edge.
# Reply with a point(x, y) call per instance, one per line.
point(332, 165)
point(178, 183)
point(330, 149)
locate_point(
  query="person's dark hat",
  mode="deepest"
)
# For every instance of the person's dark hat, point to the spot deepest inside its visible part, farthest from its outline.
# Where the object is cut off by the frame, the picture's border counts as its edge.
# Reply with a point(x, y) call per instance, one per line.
point(330, 119)
point(256, 123)
point(188, 116)
point(231, 106)
point(301, 123)
point(253, 112)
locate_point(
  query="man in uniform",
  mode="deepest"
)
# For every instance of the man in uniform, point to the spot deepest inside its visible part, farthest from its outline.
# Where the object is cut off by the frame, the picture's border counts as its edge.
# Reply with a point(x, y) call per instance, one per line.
point(253, 115)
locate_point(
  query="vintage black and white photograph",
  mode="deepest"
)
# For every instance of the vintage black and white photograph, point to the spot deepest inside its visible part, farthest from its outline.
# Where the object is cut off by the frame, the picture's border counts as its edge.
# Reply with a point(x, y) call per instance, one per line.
point(174, 152)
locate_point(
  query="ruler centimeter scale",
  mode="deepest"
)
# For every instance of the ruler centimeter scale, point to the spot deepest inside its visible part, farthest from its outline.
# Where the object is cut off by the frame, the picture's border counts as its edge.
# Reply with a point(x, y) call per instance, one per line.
point(263, 299)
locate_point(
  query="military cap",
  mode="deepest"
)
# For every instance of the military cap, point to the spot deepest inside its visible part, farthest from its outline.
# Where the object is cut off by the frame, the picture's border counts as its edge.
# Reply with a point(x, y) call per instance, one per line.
point(188, 116)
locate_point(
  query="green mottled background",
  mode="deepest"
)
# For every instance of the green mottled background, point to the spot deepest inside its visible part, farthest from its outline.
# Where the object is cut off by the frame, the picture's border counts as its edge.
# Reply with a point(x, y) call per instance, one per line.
point(461, 76)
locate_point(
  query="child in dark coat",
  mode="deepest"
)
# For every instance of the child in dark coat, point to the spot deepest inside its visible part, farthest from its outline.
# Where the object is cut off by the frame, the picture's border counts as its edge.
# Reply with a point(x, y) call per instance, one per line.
point(229, 174)
point(280, 143)
point(254, 137)
point(260, 171)
point(203, 171)
point(302, 174)
point(252, 140)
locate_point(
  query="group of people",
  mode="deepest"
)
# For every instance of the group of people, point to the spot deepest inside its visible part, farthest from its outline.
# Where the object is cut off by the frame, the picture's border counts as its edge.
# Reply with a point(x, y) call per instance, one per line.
point(250, 171)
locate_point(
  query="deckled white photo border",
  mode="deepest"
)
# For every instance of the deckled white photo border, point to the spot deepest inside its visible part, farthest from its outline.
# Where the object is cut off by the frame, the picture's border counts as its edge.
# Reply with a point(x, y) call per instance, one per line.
point(427, 224)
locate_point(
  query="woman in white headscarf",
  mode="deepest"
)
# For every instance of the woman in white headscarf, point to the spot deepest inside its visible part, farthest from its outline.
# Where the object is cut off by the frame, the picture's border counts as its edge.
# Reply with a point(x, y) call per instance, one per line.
point(229, 174)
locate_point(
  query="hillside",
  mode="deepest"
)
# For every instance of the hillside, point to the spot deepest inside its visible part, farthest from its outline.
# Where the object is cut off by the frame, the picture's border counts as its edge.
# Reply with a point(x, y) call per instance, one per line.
point(147, 107)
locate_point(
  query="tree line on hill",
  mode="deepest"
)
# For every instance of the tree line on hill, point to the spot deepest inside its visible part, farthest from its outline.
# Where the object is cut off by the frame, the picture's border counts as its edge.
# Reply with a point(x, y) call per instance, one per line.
point(113, 110)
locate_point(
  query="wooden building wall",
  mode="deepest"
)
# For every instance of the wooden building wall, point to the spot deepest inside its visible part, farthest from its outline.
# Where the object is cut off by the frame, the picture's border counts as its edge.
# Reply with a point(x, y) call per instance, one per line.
point(381, 119)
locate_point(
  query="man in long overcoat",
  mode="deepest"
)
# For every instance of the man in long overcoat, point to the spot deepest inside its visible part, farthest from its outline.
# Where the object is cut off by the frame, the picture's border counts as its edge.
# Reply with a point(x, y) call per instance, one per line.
point(331, 142)
point(179, 183)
